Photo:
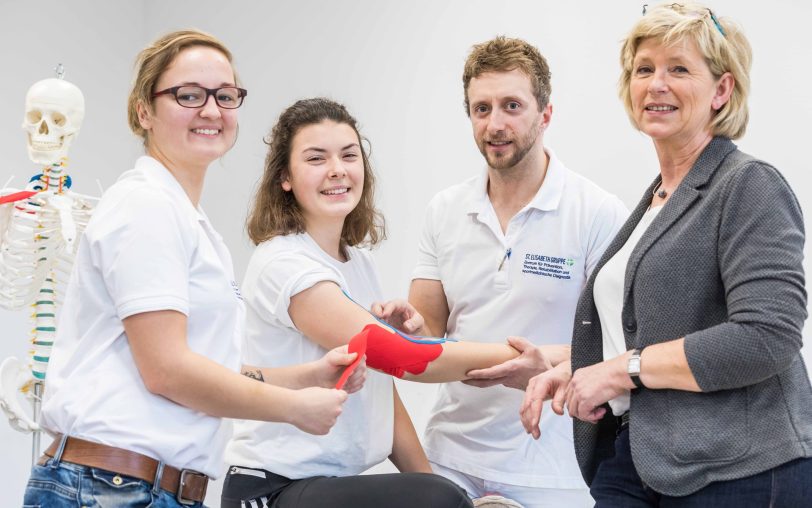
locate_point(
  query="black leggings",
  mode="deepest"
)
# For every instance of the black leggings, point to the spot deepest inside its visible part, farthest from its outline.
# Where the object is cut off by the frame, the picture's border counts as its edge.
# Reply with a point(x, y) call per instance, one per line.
point(257, 488)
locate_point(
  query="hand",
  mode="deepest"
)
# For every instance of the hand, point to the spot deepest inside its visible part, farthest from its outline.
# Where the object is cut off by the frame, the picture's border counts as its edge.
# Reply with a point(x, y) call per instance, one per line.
point(549, 384)
point(330, 367)
point(316, 410)
point(400, 314)
point(514, 373)
point(593, 386)
point(15, 377)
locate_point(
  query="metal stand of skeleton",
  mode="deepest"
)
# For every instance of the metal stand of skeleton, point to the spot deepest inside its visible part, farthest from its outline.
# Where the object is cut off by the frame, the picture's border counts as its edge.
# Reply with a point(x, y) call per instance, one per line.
point(40, 228)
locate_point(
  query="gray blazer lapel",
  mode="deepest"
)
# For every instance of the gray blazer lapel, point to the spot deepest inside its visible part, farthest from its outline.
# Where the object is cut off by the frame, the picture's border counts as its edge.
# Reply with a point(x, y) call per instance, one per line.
point(587, 339)
point(622, 235)
point(684, 196)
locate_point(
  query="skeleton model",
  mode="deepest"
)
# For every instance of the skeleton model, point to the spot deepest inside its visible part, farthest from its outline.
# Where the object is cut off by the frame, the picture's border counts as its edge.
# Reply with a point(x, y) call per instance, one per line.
point(39, 231)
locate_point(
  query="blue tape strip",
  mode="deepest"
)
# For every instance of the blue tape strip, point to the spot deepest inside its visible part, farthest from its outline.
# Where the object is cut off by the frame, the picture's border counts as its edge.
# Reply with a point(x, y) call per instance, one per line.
point(417, 339)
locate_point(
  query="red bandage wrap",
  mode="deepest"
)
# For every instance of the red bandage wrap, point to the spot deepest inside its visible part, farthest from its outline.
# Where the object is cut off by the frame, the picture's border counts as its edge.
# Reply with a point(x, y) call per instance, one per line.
point(393, 354)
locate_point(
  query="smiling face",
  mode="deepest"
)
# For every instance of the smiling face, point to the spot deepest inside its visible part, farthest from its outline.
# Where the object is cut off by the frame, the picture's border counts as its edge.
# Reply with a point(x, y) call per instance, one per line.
point(505, 118)
point(190, 138)
point(326, 173)
point(673, 93)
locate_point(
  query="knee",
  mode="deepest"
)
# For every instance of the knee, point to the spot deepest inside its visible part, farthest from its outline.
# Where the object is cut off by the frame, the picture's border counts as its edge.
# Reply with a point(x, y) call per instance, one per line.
point(442, 492)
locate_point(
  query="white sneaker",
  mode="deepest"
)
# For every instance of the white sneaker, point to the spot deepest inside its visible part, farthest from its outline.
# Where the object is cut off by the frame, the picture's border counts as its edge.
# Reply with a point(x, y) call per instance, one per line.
point(495, 501)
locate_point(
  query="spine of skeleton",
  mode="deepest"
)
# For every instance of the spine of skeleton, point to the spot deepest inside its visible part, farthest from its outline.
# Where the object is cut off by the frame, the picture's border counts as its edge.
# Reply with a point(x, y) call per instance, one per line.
point(54, 175)
point(44, 328)
point(45, 305)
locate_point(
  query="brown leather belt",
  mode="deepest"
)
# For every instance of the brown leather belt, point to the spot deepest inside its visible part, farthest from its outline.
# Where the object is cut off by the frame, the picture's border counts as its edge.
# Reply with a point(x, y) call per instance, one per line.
point(187, 485)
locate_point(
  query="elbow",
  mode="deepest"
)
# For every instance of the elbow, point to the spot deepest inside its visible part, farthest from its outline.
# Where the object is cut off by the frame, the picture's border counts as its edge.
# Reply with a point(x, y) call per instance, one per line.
point(158, 381)
point(786, 347)
point(733, 356)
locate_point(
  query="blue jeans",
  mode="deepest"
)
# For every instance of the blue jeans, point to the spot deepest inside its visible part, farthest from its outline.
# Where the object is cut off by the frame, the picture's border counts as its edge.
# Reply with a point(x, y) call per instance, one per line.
point(65, 485)
point(617, 485)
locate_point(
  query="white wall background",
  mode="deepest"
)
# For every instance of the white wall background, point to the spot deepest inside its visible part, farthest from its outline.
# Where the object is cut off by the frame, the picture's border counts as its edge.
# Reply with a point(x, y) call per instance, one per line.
point(397, 66)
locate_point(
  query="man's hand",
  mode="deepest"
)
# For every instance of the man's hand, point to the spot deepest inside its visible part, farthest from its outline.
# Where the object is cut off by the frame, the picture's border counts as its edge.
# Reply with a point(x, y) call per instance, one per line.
point(400, 314)
point(549, 384)
point(593, 386)
point(330, 367)
point(515, 373)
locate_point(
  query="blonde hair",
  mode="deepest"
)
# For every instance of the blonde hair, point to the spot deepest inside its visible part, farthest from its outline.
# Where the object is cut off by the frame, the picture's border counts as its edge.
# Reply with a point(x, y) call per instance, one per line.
point(503, 54)
point(720, 41)
point(275, 212)
point(153, 61)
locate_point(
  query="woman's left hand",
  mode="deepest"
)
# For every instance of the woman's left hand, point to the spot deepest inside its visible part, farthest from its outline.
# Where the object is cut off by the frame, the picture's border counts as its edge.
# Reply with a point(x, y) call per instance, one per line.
point(593, 386)
point(400, 314)
point(332, 365)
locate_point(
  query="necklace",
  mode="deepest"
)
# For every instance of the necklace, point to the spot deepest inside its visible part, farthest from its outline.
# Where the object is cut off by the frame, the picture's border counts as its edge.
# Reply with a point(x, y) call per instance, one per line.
point(660, 193)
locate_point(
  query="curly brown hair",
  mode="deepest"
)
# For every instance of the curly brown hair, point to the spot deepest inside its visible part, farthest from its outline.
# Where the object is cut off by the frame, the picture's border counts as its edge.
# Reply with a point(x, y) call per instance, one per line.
point(504, 54)
point(275, 212)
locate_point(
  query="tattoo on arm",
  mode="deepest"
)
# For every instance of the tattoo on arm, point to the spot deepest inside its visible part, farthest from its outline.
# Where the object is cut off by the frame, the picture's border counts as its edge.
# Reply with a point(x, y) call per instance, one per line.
point(254, 374)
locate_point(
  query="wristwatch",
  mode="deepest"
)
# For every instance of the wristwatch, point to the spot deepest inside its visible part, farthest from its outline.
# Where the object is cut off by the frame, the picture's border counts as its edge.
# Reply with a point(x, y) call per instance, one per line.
point(633, 368)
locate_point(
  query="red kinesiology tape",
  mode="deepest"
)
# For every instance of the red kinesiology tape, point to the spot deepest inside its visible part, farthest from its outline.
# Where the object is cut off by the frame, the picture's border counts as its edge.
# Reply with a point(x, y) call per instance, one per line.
point(358, 344)
point(389, 352)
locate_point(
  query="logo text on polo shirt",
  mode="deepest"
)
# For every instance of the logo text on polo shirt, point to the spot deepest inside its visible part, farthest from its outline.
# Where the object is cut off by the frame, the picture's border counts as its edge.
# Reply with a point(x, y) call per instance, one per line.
point(236, 288)
point(548, 266)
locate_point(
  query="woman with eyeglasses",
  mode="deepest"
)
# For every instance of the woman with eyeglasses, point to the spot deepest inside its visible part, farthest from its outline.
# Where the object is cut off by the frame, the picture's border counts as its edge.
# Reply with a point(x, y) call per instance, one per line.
point(146, 363)
point(687, 381)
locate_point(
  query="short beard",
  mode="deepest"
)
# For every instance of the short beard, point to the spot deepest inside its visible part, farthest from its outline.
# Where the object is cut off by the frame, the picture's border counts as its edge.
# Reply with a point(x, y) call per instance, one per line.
point(522, 147)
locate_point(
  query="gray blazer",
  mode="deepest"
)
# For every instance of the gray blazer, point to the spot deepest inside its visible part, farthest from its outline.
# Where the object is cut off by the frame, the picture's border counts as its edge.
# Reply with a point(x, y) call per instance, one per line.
point(721, 266)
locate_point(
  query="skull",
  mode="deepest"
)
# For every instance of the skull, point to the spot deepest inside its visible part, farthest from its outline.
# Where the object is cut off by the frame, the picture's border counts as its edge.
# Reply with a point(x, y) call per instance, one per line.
point(54, 110)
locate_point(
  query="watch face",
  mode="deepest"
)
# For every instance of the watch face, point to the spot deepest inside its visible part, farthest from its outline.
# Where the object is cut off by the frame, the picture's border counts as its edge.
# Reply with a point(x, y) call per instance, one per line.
point(634, 366)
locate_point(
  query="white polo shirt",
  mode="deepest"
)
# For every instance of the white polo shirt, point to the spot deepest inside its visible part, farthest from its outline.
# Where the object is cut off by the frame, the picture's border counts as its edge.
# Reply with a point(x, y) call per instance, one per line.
point(362, 437)
point(146, 248)
point(554, 243)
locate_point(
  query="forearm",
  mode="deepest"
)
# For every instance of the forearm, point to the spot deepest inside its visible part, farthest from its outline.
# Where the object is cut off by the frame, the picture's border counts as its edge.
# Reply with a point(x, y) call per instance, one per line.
point(196, 382)
point(457, 358)
point(665, 366)
point(557, 353)
point(292, 376)
point(428, 297)
point(407, 452)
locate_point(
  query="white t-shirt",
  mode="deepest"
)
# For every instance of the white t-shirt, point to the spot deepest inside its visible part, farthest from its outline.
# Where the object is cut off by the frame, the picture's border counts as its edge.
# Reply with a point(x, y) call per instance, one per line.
point(362, 437)
point(608, 293)
point(554, 243)
point(146, 248)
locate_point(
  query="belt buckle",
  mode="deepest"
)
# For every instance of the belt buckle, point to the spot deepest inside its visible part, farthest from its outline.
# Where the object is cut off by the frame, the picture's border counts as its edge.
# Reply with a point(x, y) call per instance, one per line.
point(182, 483)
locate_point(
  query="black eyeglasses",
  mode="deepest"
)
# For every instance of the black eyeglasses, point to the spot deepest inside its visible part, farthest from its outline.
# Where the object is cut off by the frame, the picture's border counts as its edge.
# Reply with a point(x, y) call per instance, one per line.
point(193, 96)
